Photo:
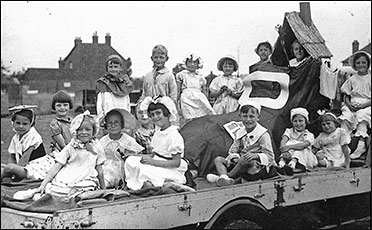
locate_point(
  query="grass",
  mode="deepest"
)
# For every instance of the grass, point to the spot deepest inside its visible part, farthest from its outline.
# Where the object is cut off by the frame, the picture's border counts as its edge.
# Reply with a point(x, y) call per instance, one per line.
point(41, 125)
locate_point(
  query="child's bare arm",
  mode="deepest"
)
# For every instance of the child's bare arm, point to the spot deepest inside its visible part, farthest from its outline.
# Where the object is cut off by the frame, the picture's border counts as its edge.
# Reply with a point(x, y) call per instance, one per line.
point(346, 152)
point(174, 163)
point(51, 174)
point(100, 176)
point(26, 156)
point(59, 140)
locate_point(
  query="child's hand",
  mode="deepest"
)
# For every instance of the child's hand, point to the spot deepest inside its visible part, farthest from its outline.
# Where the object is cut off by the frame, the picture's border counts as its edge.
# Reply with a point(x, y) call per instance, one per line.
point(284, 149)
point(320, 155)
point(89, 147)
point(146, 160)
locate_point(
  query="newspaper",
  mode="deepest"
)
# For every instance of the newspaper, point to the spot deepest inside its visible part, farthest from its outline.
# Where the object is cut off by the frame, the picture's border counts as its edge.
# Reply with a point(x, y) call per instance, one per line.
point(232, 127)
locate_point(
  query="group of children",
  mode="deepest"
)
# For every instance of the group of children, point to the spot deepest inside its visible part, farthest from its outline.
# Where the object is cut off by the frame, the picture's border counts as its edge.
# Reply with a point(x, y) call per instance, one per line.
point(154, 154)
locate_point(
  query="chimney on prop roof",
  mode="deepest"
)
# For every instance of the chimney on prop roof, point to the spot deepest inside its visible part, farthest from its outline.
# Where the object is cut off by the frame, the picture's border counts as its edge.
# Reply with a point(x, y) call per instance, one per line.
point(355, 46)
point(77, 41)
point(305, 13)
point(108, 39)
point(95, 37)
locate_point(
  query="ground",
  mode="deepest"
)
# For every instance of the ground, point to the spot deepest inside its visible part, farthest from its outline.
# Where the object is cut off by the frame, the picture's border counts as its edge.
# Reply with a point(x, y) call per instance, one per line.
point(41, 125)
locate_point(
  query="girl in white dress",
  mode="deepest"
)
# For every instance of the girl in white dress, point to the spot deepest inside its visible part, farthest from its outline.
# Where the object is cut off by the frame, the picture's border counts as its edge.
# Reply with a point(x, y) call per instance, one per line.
point(191, 90)
point(117, 146)
point(226, 88)
point(296, 142)
point(331, 146)
point(166, 163)
point(356, 108)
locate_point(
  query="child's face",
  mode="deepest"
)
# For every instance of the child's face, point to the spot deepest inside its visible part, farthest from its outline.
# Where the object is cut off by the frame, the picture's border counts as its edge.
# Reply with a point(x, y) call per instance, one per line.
point(85, 131)
point(142, 116)
point(361, 65)
point(299, 123)
point(62, 108)
point(113, 124)
point(157, 116)
point(250, 119)
point(114, 68)
point(21, 124)
point(263, 52)
point(298, 51)
point(159, 60)
point(328, 126)
point(191, 65)
point(228, 67)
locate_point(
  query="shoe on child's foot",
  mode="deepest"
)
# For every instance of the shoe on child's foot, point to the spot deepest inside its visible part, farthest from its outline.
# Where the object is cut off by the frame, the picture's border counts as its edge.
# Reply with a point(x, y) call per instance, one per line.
point(292, 164)
point(224, 180)
point(24, 195)
point(361, 148)
point(281, 164)
point(212, 178)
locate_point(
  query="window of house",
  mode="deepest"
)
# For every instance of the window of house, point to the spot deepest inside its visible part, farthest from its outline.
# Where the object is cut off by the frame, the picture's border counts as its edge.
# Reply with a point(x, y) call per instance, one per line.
point(70, 65)
point(66, 84)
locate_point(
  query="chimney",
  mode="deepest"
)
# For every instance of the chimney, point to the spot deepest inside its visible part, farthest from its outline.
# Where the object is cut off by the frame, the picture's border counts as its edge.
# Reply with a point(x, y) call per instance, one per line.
point(108, 39)
point(95, 38)
point(60, 62)
point(77, 40)
point(355, 46)
point(305, 13)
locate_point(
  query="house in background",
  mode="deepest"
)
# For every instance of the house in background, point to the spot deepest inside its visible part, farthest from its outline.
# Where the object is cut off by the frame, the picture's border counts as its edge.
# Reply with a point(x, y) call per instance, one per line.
point(355, 48)
point(76, 72)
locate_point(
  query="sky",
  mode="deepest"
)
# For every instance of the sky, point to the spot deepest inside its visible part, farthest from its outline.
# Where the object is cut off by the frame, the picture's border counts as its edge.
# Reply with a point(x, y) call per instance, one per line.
point(37, 34)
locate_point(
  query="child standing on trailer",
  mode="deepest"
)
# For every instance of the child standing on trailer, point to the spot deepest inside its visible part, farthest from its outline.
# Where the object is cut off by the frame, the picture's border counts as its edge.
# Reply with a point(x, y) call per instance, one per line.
point(356, 108)
point(251, 155)
point(227, 88)
point(160, 81)
point(117, 145)
point(167, 163)
point(26, 145)
point(263, 50)
point(191, 90)
point(295, 146)
point(113, 88)
point(331, 146)
point(143, 135)
point(78, 165)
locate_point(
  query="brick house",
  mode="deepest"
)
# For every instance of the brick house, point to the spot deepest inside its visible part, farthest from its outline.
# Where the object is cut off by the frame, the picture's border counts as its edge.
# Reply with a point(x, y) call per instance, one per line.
point(77, 71)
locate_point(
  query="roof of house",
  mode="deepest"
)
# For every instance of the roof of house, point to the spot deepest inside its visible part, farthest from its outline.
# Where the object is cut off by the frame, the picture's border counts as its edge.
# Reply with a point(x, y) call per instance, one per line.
point(293, 28)
point(367, 49)
point(308, 36)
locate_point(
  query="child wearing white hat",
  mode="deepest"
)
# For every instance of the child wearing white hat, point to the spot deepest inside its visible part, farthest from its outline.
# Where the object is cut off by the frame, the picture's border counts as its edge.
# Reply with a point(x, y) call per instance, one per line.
point(295, 146)
point(226, 88)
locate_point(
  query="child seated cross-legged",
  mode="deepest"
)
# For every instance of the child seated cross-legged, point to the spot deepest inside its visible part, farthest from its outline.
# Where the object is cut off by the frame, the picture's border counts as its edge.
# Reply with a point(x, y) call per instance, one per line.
point(166, 164)
point(251, 155)
point(117, 146)
point(78, 166)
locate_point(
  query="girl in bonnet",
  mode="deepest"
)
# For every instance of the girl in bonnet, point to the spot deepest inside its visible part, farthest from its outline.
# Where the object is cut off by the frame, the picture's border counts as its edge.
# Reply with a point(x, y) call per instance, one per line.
point(226, 88)
point(295, 145)
point(78, 166)
point(166, 163)
point(356, 108)
point(191, 90)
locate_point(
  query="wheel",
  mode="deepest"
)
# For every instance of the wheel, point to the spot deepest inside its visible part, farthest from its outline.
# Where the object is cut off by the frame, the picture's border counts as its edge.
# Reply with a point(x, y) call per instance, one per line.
point(242, 224)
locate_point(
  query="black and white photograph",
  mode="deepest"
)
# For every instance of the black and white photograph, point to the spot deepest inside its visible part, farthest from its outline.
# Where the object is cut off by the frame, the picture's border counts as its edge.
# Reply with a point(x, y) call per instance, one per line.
point(186, 114)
